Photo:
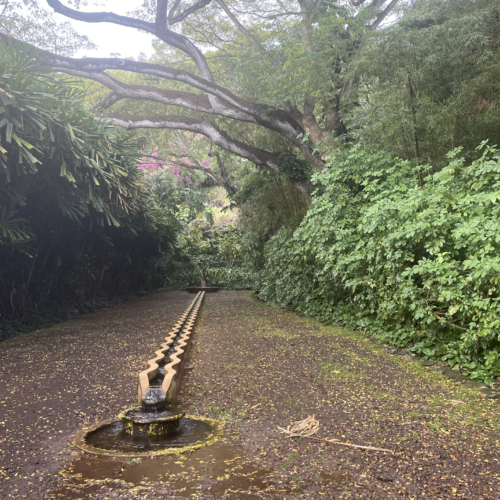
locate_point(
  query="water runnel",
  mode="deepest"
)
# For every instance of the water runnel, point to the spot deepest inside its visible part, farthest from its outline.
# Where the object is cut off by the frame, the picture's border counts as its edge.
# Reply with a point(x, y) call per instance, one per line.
point(160, 382)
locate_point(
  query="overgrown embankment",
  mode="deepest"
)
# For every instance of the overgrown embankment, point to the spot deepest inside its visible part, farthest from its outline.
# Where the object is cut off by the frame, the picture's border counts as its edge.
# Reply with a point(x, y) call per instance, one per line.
point(407, 253)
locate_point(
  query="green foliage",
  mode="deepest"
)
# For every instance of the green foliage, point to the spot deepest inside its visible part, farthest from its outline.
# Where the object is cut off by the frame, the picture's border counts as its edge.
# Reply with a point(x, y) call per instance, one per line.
point(293, 167)
point(301, 59)
point(43, 123)
point(431, 82)
point(266, 204)
point(77, 219)
point(224, 254)
point(30, 21)
point(233, 278)
point(218, 248)
point(414, 263)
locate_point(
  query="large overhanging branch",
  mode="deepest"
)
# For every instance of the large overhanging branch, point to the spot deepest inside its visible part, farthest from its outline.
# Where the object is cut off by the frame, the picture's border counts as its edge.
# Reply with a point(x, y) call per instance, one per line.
point(101, 17)
point(227, 104)
point(276, 120)
point(159, 28)
point(204, 127)
point(189, 100)
point(211, 131)
point(272, 118)
point(220, 100)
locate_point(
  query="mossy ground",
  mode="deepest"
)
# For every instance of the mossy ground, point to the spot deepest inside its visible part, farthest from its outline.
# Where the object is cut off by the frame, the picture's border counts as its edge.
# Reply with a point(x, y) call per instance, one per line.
point(260, 367)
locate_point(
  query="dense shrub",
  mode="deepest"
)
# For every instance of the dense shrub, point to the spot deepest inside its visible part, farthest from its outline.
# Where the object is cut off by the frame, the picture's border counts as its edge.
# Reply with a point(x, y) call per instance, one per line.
point(406, 253)
point(233, 278)
point(224, 253)
point(77, 222)
point(188, 273)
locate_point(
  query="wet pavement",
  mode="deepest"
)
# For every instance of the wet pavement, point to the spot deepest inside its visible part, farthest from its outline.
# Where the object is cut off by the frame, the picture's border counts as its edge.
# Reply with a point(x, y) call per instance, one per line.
point(221, 470)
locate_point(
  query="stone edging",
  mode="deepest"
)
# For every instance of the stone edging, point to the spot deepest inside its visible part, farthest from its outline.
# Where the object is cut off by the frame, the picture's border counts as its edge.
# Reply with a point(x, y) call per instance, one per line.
point(81, 444)
point(175, 368)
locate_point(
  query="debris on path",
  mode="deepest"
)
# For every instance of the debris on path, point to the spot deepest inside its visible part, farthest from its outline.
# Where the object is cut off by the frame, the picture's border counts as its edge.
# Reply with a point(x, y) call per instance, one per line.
point(309, 426)
point(255, 368)
point(303, 428)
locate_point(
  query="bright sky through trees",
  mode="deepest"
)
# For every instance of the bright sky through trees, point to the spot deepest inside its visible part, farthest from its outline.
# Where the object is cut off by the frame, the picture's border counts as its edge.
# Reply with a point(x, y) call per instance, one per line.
point(111, 38)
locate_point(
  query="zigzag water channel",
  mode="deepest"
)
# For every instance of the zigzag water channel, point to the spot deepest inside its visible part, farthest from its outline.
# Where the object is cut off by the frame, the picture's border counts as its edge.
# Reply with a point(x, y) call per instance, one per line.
point(156, 425)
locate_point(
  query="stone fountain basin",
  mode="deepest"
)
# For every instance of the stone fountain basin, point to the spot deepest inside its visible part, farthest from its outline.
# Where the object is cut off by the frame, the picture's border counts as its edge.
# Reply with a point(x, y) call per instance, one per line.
point(136, 422)
point(109, 438)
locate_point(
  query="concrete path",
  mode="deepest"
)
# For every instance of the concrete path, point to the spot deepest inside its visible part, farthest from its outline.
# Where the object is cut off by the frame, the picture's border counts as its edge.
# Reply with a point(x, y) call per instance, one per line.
point(254, 368)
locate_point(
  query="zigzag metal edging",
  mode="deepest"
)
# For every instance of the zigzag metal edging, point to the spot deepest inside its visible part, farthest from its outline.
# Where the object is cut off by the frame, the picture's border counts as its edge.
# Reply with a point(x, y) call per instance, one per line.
point(175, 368)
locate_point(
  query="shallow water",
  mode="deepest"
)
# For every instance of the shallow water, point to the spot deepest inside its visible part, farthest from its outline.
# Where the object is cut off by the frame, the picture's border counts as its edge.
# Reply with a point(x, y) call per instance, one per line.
point(146, 417)
point(113, 437)
point(221, 470)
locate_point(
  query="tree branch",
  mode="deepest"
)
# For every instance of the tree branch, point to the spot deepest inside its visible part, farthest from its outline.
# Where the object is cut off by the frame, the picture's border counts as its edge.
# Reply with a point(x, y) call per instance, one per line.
point(309, 121)
point(196, 167)
point(208, 129)
point(180, 17)
point(101, 17)
point(242, 28)
point(306, 25)
point(108, 101)
point(173, 10)
point(161, 14)
point(382, 15)
point(271, 118)
point(189, 100)
point(204, 127)
point(98, 65)
point(225, 180)
point(176, 40)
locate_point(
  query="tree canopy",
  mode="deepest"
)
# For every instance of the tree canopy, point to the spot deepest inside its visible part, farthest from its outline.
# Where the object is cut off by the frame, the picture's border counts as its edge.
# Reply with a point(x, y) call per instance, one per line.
point(303, 50)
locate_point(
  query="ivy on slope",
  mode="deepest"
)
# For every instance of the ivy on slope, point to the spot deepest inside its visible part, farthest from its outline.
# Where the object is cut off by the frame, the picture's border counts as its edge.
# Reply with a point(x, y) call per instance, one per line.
point(406, 253)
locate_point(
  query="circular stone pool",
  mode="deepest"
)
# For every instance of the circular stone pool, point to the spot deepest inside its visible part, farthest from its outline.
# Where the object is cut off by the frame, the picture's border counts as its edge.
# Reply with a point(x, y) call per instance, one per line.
point(111, 438)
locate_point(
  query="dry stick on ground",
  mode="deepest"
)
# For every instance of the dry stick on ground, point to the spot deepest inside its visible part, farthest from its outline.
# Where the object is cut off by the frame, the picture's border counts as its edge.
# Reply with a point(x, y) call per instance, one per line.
point(309, 426)
point(333, 441)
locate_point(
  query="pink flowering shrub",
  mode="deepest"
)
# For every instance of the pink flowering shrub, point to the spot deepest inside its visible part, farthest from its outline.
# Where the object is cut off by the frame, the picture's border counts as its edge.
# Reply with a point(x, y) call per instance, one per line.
point(181, 155)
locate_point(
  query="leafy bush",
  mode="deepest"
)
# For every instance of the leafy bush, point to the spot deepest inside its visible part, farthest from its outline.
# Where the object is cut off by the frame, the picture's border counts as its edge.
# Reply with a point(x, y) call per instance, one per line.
point(233, 278)
point(184, 273)
point(188, 273)
point(222, 251)
point(76, 219)
point(407, 253)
